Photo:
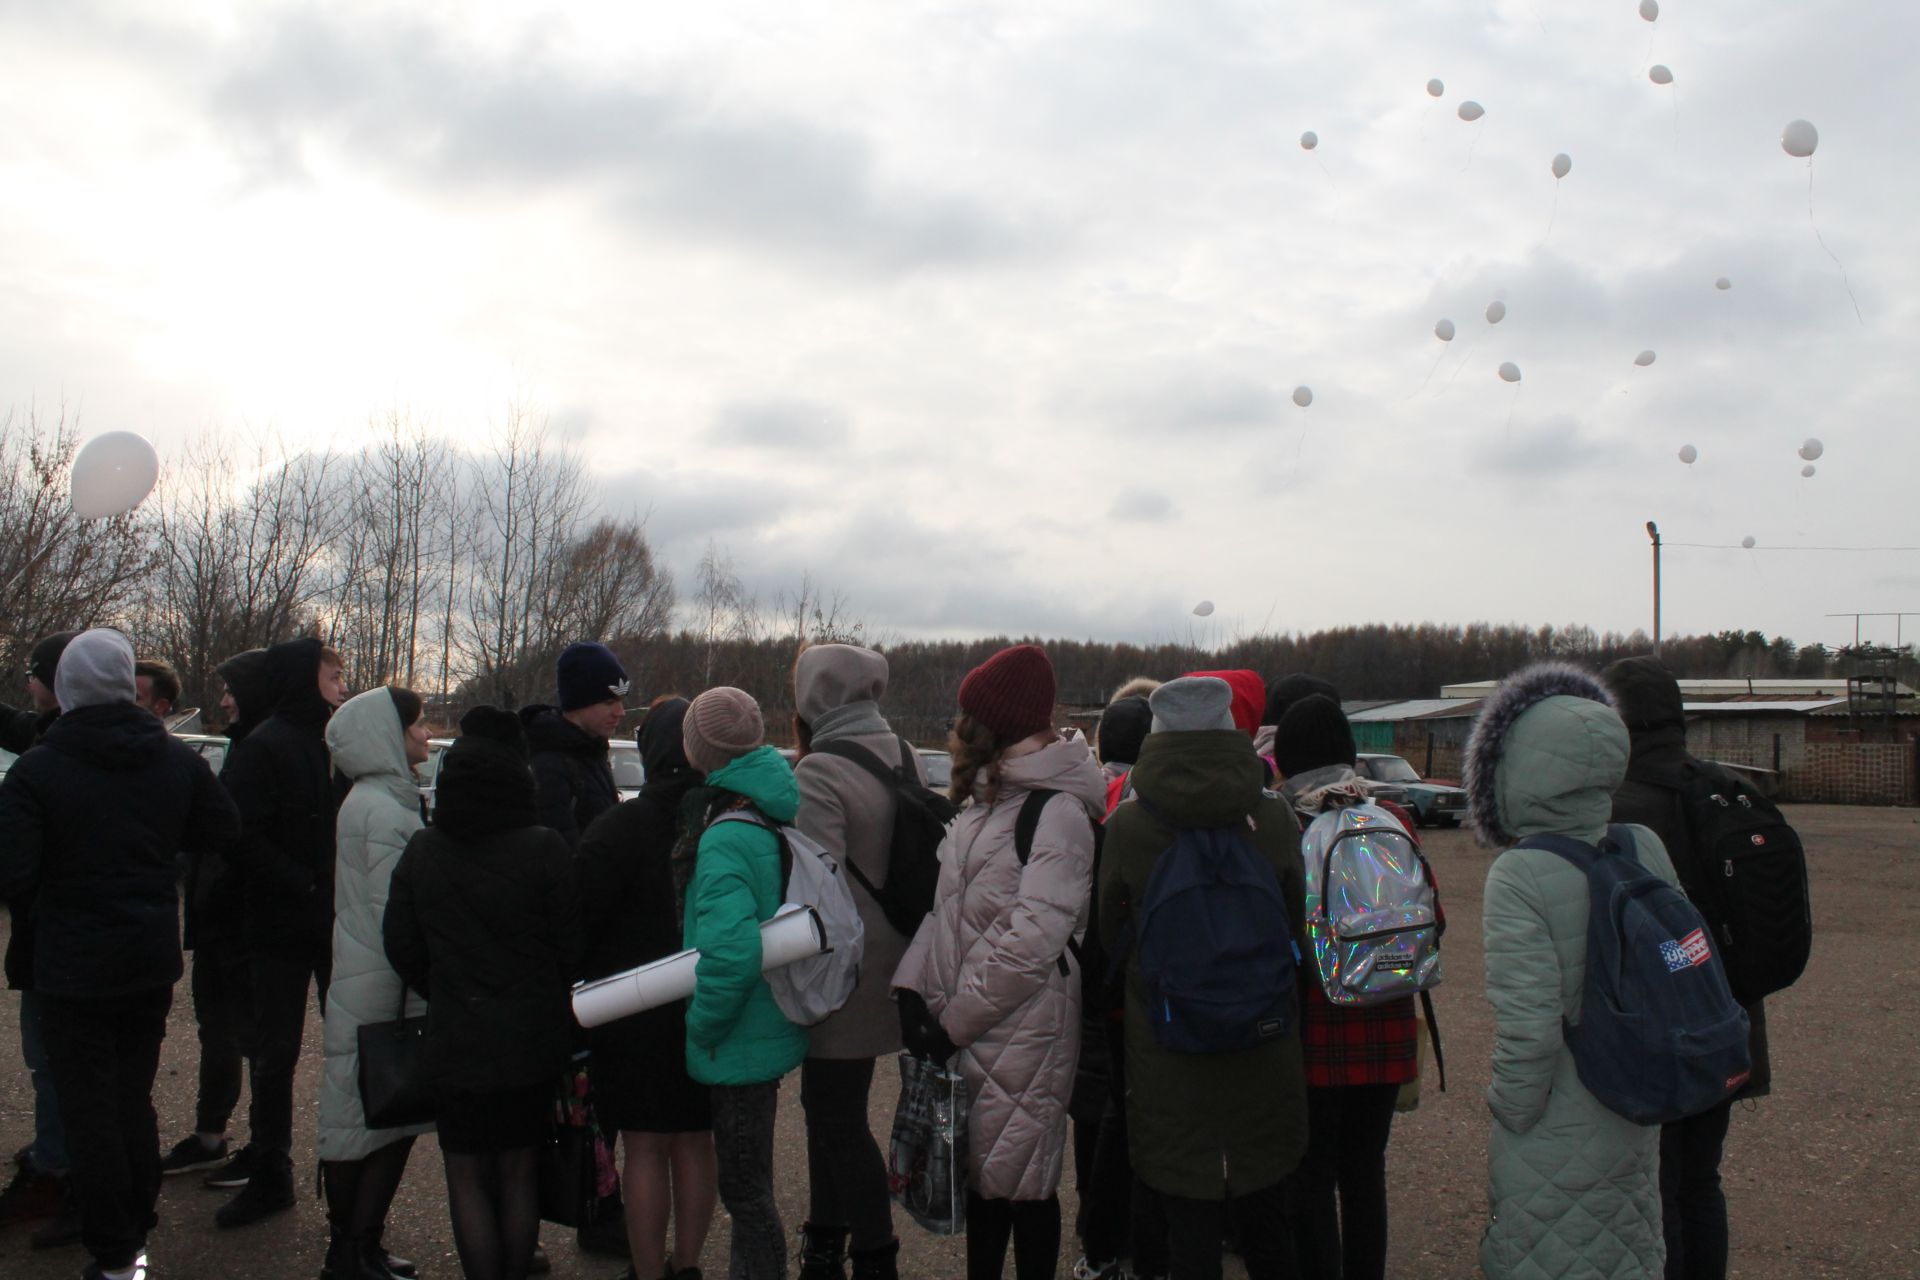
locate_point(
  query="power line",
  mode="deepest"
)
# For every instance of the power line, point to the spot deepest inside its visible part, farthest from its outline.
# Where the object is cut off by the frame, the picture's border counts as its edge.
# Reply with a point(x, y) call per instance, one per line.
point(1735, 546)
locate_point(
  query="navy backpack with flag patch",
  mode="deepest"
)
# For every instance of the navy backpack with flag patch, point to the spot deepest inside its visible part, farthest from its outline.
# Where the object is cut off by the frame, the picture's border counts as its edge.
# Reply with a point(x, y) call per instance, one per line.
point(1660, 1035)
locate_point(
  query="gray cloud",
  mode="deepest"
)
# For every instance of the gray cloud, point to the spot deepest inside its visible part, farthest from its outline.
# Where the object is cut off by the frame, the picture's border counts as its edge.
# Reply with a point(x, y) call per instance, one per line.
point(1142, 506)
point(1553, 447)
point(779, 424)
point(1190, 397)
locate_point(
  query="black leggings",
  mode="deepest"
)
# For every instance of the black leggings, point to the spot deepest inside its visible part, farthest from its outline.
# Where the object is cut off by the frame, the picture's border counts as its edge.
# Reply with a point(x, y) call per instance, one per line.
point(846, 1174)
point(1347, 1131)
point(494, 1200)
point(1034, 1226)
point(359, 1192)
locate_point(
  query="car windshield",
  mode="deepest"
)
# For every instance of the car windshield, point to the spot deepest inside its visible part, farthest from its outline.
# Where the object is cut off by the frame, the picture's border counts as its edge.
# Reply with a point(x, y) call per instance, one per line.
point(939, 766)
point(1390, 769)
point(628, 772)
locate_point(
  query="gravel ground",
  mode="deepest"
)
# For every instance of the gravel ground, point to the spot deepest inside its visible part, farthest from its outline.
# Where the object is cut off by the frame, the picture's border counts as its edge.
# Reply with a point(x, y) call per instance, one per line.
point(1814, 1173)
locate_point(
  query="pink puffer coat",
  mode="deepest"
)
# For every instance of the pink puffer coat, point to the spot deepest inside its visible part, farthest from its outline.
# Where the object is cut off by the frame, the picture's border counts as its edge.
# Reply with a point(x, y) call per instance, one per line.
point(987, 961)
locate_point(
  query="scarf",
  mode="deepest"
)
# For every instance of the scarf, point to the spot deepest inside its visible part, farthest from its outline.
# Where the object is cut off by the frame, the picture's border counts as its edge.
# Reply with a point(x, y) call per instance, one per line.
point(854, 720)
point(1332, 786)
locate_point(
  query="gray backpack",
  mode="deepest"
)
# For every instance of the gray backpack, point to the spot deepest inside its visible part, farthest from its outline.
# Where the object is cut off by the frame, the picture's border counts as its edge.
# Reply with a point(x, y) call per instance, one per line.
point(811, 989)
point(1373, 916)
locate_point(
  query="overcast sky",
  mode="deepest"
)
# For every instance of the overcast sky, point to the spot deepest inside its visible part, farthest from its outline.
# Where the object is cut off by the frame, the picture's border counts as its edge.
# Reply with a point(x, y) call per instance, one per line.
point(990, 314)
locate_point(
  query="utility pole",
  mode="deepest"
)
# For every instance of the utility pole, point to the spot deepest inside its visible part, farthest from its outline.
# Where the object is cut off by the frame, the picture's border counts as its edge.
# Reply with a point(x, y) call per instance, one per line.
point(1653, 531)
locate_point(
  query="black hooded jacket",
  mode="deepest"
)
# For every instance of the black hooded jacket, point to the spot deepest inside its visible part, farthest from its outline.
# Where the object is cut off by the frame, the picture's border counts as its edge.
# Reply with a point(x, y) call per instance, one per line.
point(573, 777)
point(483, 918)
point(280, 779)
point(215, 907)
point(94, 817)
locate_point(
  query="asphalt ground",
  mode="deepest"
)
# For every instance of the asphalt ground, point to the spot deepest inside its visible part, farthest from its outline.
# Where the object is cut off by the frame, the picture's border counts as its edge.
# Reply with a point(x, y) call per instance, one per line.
point(1819, 1176)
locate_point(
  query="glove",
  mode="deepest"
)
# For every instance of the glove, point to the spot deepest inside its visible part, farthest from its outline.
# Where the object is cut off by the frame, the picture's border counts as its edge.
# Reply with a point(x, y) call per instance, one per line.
point(920, 1031)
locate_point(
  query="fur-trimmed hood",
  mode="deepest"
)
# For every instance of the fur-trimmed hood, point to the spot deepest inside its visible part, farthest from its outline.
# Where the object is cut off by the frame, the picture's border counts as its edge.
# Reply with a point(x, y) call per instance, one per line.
point(1546, 755)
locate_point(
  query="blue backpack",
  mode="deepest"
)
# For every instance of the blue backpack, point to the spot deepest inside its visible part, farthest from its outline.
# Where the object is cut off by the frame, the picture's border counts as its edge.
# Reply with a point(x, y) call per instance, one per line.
point(1660, 1035)
point(1216, 955)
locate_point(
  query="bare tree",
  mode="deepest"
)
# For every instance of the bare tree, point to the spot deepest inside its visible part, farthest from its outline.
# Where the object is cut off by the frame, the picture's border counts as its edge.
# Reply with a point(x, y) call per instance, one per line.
point(723, 607)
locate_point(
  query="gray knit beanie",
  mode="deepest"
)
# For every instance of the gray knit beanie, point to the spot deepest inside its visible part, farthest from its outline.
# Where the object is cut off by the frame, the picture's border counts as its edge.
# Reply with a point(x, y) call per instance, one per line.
point(1192, 703)
point(722, 725)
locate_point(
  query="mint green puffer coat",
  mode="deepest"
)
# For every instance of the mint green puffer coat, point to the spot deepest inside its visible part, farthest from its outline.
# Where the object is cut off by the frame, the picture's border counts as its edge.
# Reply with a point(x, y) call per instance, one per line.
point(736, 1034)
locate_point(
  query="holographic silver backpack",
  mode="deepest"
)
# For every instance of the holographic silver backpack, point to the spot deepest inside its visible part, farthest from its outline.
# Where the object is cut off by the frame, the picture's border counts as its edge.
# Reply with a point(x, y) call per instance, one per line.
point(1373, 917)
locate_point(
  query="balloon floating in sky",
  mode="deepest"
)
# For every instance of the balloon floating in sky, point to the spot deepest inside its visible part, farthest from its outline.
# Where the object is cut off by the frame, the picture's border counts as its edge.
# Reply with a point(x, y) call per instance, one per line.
point(1303, 396)
point(1496, 312)
point(1562, 165)
point(1644, 359)
point(1309, 140)
point(1659, 74)
point(112, 474)
point(1471, 111)
point(1799, 139)
point(1747, 542)
point(1812, 449)
point(1204, 609)
point(1649, 9)
point(1435, 88)
point(1723, 284)
point(1509, 372)
point(1689, 454)
point(1443, 330)
point(1807, 471)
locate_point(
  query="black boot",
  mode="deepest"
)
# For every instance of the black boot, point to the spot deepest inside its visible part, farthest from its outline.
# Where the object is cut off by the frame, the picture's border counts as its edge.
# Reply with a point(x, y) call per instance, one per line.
point(400, 1267)
point(268, 1191)
point(822, 1250)
point(350, 1257)
point(877, 1264)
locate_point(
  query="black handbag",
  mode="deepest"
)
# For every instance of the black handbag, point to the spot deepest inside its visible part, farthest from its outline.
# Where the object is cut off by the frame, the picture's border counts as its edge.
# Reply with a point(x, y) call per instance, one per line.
point(394, 1089)
point(568, 1172)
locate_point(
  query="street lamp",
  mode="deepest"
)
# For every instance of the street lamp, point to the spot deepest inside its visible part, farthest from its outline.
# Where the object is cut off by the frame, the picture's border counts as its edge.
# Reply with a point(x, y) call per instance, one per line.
point(1653, 531)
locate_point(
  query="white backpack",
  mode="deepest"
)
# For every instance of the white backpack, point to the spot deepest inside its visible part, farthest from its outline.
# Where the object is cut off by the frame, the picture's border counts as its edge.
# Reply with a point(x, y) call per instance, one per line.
point(1372, 914)
point(810, 989)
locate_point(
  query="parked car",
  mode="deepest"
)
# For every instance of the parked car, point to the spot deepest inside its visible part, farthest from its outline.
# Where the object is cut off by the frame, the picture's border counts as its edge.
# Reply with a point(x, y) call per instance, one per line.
point(211, 746)
point(6, 762)
point(939, 766)
point(1430, 803)
point(629, 774)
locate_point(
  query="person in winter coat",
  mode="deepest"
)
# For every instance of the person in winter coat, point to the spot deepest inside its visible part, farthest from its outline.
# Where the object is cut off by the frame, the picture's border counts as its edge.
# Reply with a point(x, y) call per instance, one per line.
point(987, 977)
point(1571, 1184)
point(738, 1041)
point(571, 767)
point(1357, 1057)
point(280, 779)
point(39, 1187)
point(95, 817)
point(222, 989)
point(1123, 727)
point(1214, 1135)
point(483, 918)
point(641, 1086)
point(376, 739)
point(1693, 1207)
point(847, 809)
point(1282, 693)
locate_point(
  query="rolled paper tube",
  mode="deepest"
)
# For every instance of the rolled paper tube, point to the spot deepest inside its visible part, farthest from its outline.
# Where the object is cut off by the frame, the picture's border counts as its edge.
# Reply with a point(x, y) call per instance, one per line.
point(794, 933)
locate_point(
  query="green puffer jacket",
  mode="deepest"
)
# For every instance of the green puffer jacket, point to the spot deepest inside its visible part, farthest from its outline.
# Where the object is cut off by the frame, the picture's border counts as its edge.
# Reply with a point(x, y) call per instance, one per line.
point(1204, 1125)
point(1573, 1188)
point(736, 1034)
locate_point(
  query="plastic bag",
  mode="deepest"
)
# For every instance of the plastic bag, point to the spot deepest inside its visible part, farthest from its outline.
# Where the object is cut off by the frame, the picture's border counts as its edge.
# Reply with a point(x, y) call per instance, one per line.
point(927, 1159)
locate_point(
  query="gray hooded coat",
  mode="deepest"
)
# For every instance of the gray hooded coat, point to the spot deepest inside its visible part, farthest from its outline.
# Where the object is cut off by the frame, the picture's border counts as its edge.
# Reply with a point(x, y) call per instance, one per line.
point(378, 817)
point(1573, 1188)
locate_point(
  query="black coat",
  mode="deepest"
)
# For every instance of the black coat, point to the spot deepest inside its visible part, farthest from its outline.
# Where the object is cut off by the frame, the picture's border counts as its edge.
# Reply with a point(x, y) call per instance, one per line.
point(279, 777)
point(94, 818)
point(483, 918)
point(573, 777)
point(19, 730)
point(215, 907)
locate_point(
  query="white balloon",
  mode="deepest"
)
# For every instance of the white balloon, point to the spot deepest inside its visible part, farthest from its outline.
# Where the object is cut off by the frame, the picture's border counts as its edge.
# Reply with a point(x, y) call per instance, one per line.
point(1659, 74)
point(1723, 284)
point(1649, 9)
point(1562, 165)
point(1444, 331)
point(1689, 454)
point(1204, 609)
point(1812, 449)
point(1644, 359)
point(1471, 111)
point(1807, 471)
point(1799, 139)
point(1509, 372)
point(113, 474)
point(1309, 140)
point(1435, 88)
point(1303, 396)
point(1496, 312)
point(1747, 542)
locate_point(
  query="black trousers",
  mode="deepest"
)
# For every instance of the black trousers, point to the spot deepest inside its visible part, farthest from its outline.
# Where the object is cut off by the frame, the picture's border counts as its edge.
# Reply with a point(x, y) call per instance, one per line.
point(279, 1024)
point(1337, 1198)
point(103, 1055)
point(222, 990)
point(1693, 1209)
point(846, 1174)
point(1195, 1229)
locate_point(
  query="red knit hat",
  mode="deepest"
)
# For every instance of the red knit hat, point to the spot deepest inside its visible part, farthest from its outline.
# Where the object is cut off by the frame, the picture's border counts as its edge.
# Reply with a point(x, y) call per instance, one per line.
point(1249, 696)
point(1012, 692)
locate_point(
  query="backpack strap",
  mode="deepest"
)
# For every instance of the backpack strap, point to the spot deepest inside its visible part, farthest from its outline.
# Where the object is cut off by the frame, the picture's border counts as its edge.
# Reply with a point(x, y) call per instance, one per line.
point(888, 778)
point(750, 812)
point(1024, 828)
point(1433, 1033)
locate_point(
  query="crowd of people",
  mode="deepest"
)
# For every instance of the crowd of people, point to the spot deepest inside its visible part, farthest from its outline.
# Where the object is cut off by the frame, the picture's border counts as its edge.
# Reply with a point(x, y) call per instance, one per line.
point(310, 868)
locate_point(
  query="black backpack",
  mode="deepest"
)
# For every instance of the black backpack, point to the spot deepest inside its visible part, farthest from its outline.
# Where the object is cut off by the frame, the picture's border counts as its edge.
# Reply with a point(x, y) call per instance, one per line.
point(920, 818)
point(1099, 990)
point(1747, 875)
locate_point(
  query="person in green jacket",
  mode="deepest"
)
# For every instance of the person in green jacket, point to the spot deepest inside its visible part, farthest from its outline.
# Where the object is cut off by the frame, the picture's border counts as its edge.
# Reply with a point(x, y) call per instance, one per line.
point(738, 1041)
point(1213, 1135)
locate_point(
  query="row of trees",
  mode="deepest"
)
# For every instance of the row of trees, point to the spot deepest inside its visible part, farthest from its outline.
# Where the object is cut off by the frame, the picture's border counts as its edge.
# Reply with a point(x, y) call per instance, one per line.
point(462, 575)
